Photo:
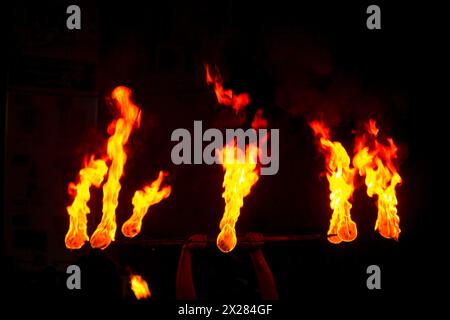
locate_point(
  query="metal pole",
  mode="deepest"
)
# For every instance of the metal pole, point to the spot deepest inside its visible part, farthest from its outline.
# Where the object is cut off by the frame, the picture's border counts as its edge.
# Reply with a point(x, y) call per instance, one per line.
point(241, 240)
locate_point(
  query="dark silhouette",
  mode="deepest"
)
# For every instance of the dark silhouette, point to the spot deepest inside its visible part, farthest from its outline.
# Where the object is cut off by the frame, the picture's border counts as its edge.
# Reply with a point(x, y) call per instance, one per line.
point(185, 288)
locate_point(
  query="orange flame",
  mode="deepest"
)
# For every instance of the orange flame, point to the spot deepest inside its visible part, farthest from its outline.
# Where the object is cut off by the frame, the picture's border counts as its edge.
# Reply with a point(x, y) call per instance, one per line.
point(240, 176)
point(226, 97)
point(341, 181)
point(121, 129)
point(139, 287)
point(375, 161)
point(92, 174)
point(142, 200)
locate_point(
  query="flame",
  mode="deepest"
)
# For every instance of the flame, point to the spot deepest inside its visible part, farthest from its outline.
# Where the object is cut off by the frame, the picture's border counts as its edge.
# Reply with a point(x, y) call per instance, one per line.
point(121, 130)
point(226, 97)
point(92, 174)
point(240, 176)
point(341, 181)
point(142, 200)
point(259, 121)
point(139, 287)
point(375, 161)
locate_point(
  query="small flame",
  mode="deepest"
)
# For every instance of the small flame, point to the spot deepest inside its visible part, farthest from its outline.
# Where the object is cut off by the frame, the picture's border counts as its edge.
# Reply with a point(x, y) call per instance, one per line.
point(139, 287)
point(375, 161)
point(92, 174)
point(226, 96)
point(121, 130)
point(142, 200)
point(341, 181)
point(240, 176)
point(259, 121)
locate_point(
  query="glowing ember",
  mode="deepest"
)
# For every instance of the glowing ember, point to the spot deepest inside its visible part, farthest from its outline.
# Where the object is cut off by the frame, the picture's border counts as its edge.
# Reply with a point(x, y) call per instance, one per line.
point(92, 174)
point(226, 97)
point(239, 178)
point(139, 287)
point(142, 200)
point(375, 161)
point(120, 130)
point(341, 181)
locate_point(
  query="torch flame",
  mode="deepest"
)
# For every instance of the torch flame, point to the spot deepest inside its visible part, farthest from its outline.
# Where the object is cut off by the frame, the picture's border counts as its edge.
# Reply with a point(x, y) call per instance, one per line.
point(139, 287)
point(130, 117)
point(375, 161)
point(240, 176)
point(341, 182)
point(226, 97)
point(92, 174)
point(142, 200)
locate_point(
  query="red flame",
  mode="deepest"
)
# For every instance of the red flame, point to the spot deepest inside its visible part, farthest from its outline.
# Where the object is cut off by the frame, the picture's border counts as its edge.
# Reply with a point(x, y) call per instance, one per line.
point(226, 96)
point(259, 121)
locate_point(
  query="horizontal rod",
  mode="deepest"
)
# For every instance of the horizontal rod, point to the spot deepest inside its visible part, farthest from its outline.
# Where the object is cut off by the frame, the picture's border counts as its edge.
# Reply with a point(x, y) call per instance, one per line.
point(241, 240)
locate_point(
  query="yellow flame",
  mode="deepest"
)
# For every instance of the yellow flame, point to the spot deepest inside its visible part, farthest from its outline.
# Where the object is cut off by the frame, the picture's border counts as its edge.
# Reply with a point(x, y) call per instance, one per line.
point(92, 174)
point(240, 176)
point(375, 161)
point(130, 117)
point(341, 183)
point(142, 200)
point(139, 287)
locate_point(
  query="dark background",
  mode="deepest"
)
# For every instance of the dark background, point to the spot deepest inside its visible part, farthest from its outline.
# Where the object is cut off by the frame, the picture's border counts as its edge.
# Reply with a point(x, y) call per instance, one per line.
point(297, 61)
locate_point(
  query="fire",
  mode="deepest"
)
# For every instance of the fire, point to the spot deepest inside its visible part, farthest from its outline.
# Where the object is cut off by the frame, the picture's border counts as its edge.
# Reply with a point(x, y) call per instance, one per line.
point(240, 169)
point(259, 121)
point(142, 200)
point(375, 161)
point(341, 182)
point(139, 287)
point(240, 176)
point(120, 130)
point(92, 174)
point(226, 97)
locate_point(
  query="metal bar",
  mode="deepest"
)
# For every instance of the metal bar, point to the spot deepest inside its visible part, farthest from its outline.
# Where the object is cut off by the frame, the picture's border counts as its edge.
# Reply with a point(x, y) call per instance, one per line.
point(241, 240)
